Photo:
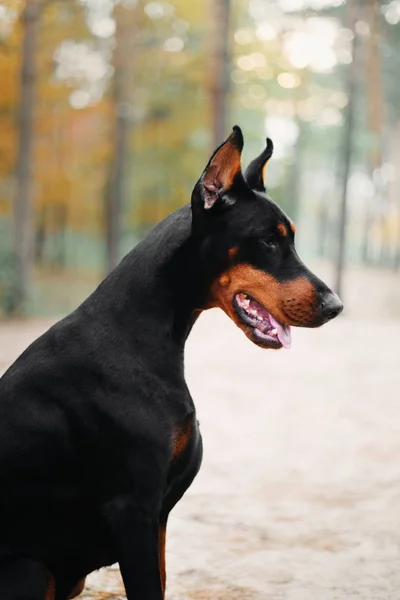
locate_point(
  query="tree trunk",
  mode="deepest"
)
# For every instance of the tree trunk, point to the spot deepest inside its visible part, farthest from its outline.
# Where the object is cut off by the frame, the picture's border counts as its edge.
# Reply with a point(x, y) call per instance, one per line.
point(374, 106)
point(220, 70)
point(396, 261)
point(323, 228)
point(296, 168)
point(23, 230)
point(351, 89)
point(394, 195)
point(123, 54)
point(40, 235)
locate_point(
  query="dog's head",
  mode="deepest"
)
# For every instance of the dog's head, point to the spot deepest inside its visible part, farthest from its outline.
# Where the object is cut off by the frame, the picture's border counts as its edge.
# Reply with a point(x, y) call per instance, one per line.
point(247, 252)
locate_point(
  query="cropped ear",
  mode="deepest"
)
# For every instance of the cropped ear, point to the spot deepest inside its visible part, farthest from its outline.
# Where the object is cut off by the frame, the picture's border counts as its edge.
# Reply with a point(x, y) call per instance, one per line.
point(222, 169)
point(255, 172)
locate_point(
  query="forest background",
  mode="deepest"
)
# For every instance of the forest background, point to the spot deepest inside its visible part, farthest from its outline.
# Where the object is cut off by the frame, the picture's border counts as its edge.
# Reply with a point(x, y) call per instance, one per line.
point(110, 109)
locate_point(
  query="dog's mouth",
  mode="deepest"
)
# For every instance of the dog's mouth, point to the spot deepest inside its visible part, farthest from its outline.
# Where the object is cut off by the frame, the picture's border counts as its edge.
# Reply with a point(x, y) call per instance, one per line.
point(266, 330)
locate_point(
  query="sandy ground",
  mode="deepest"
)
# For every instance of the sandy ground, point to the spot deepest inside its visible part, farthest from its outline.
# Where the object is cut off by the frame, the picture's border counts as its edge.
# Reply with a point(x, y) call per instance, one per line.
point(298, 497)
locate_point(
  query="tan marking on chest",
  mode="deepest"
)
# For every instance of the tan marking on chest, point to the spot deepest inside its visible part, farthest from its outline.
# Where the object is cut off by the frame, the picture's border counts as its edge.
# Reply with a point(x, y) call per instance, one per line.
point(181, 438)
point(51, 589)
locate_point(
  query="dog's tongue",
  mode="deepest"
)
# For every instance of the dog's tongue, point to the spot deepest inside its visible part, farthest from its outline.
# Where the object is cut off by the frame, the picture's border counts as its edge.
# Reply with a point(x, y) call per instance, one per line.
point(284, 333)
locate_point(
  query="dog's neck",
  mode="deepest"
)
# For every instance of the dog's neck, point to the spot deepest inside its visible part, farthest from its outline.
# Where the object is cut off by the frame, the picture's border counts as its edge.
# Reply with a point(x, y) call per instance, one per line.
point(153, 295)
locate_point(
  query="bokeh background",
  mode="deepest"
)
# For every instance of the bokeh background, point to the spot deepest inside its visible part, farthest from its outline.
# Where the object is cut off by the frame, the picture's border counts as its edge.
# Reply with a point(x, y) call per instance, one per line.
point(110, 109)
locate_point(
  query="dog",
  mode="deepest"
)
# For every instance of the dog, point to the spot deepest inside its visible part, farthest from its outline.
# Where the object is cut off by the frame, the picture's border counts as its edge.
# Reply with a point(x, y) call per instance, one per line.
point(98, 432)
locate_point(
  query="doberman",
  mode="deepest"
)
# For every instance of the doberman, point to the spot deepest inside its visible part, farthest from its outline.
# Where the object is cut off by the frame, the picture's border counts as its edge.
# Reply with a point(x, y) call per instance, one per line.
point(98, 432)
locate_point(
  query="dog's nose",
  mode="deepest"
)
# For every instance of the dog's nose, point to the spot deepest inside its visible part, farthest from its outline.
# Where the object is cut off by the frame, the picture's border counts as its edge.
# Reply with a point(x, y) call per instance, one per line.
point(331, 305)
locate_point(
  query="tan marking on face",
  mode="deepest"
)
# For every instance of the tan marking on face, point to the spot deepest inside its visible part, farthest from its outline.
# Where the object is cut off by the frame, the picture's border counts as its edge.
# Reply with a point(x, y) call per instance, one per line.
point(162, 532)
point(291, 303)
point(233, 251)
point(224, 280)
point(282, 229)
point(181, 438)
point(292, 227)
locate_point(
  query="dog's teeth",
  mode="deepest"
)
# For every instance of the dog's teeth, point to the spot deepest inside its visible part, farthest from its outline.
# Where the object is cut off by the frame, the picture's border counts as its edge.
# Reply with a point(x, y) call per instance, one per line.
point(246, 303)
point(274, 332)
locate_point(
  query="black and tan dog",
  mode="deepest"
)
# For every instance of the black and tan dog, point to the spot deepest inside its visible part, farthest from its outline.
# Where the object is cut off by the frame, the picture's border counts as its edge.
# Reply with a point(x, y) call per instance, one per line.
point(98, 431)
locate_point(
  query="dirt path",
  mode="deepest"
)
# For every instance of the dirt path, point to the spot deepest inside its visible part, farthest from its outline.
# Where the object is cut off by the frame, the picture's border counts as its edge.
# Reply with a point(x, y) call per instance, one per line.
point(299, 494)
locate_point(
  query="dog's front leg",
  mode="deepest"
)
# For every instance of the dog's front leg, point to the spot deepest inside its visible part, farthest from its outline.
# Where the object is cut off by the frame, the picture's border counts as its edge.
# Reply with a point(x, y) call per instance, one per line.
point(135, 532)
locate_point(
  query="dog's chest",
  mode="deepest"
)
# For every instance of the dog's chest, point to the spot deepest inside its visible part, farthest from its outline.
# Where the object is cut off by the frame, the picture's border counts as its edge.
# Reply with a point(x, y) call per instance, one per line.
point(185, 459)
point(182, 436)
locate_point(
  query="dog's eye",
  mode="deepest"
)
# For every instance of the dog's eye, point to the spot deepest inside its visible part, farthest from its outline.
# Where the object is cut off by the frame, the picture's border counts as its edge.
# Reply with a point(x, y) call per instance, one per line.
point(269, 244)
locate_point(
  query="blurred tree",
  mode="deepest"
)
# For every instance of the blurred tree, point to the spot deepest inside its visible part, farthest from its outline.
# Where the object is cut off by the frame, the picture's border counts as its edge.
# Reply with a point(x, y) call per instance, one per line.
point(23, 196)
point(171, 113)
point(32, 14)
point(125, 57)
point(374, 102)
point(351, 89)
point(54, 119)
point(9, 66)
point(130, 93)
point(220, 71)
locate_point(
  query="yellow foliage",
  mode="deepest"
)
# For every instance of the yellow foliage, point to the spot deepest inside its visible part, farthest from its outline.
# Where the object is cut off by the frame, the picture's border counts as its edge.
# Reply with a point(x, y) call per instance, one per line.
point(9, 85)
point(71, 147)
